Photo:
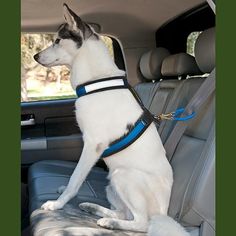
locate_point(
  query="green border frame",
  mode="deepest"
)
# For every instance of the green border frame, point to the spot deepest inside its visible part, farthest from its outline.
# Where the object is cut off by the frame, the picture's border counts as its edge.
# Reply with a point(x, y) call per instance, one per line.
point(10, 118)
point(225, 117)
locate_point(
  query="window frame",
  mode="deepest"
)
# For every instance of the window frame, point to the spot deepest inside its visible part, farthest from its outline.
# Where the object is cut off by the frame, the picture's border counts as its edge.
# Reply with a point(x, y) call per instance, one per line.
point(119, 60)
point(173, 35)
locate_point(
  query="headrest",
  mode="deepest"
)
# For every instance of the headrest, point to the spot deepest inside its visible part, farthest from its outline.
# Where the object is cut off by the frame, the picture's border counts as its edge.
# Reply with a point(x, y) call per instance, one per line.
point(150, 63)
point(180, 64)
point(205, 50)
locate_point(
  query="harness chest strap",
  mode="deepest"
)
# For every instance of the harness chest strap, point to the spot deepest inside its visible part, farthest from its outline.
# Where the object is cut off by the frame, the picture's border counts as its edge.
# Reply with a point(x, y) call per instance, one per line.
point(139, 128)
point(140, 125)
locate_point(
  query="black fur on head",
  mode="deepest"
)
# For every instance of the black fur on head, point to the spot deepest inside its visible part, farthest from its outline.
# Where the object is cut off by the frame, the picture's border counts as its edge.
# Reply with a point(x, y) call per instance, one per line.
point(74, 28)
point(65, 33)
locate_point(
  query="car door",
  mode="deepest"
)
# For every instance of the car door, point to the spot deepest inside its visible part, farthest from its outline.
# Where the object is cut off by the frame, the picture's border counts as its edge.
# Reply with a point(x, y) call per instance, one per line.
point(49, 132)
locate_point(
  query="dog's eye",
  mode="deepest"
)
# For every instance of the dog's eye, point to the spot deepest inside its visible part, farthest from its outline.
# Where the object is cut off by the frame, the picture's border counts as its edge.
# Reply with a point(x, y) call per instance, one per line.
point(57, 41)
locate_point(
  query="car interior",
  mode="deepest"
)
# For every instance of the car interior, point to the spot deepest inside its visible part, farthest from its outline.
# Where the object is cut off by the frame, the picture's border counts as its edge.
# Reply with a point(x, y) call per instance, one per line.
point(150, 42)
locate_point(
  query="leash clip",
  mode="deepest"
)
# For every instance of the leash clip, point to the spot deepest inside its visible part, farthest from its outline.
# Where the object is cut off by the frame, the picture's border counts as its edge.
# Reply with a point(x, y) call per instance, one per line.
point(175, 115)
point(168, 116)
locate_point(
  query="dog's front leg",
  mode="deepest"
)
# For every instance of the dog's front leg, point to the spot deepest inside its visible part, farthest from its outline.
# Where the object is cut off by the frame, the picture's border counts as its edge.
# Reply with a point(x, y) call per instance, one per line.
point(89, 157)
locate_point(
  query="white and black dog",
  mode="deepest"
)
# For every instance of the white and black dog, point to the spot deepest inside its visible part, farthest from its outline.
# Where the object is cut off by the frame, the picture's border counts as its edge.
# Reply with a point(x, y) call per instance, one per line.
point(140, 175)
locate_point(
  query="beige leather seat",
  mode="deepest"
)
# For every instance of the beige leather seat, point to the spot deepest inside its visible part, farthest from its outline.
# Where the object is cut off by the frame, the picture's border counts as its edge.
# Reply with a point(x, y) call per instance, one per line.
point(192, 201)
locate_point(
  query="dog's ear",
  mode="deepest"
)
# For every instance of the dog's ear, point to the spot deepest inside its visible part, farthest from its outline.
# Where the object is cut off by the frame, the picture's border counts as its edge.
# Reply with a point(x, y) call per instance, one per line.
point(71, 18)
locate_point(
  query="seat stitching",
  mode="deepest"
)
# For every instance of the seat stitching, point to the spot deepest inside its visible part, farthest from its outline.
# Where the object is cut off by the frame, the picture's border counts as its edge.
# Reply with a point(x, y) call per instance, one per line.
point(91, 188)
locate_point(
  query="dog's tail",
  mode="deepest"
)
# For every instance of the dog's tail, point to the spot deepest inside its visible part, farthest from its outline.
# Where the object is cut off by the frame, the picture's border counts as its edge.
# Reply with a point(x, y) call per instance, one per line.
point(162, 225)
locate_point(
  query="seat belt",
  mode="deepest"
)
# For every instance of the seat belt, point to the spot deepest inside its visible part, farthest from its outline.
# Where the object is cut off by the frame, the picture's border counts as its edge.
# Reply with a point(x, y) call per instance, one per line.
point(199, 98)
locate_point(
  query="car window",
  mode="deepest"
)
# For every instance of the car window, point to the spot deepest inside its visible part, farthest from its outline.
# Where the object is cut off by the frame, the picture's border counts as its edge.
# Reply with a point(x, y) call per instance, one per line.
point(191, 40)
point(40, 83)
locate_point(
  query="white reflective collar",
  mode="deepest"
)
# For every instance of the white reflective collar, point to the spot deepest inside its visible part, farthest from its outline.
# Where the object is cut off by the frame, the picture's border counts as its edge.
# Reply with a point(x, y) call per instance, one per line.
point(101, 85)
point(104, 84)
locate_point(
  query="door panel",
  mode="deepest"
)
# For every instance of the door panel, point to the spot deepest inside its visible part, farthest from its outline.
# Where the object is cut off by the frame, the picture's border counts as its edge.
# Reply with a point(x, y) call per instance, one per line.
point(49, 131)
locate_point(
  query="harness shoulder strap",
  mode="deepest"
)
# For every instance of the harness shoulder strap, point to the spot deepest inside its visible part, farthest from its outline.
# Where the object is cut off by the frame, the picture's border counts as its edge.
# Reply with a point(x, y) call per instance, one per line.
point(202, 94)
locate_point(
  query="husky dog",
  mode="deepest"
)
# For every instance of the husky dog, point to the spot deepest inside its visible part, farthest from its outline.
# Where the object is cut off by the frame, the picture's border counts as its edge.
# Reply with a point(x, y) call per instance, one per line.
point(140, 175)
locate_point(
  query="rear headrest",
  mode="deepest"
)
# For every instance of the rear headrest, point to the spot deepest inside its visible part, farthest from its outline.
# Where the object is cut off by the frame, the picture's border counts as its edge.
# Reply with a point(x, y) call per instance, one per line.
point(150, 63)
point(205, 50)
point(179, 65)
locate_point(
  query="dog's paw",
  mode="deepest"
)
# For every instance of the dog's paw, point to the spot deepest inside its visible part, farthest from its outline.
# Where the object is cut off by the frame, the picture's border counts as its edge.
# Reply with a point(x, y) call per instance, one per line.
point(105, 223)
point(61, 189)
point(86, 206)
point(52, 205)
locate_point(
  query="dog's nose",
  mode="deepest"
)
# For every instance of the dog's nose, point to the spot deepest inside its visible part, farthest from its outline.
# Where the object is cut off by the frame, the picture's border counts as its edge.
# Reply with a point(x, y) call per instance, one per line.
point(36, 57)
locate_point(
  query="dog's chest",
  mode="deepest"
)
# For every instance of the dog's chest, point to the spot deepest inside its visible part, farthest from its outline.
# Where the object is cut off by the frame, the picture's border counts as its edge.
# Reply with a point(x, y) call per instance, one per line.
point(107, 113)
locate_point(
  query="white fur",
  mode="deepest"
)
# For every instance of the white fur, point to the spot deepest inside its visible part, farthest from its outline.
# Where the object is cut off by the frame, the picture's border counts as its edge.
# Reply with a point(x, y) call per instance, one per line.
point(165, 226)
point(93, 52)
point(59, 54)
point(140, 175)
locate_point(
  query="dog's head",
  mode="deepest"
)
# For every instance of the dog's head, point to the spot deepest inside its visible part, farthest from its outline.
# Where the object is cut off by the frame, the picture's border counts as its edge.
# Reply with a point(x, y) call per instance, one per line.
point(68, 41)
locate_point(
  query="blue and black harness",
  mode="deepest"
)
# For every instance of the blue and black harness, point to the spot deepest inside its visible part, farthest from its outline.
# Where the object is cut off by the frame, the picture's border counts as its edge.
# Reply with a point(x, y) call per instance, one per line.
point(120, 82)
